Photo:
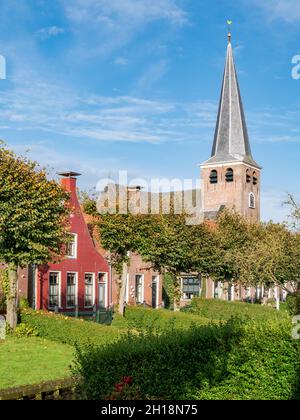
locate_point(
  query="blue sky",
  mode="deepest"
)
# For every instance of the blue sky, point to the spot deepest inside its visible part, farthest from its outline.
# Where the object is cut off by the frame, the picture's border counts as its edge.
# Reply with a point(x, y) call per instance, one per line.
point(99, 86)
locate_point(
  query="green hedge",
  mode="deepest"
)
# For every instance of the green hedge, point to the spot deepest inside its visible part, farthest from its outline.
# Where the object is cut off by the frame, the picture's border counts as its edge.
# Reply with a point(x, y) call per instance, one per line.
point(140, 319)
point(234, 360)
point(216, 309)
point(68, 330)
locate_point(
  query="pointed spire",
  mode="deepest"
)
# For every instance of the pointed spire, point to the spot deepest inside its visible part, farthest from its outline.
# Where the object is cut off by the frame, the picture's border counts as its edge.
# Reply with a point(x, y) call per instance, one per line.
point(231, 142)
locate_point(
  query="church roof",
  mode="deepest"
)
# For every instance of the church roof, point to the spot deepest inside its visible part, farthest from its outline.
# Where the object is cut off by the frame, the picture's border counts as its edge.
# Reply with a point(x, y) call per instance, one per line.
point(231, 142)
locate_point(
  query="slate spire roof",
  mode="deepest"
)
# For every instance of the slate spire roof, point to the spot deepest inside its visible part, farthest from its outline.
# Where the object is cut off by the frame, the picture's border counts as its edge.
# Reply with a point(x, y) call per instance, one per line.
point(231, 142)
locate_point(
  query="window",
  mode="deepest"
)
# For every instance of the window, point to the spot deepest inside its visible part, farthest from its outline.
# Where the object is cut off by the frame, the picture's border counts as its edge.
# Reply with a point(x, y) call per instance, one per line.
point(218, 290)
point(252, 201)
point(229, 175)
point(88, 290)
point(71, 290)
point(71, 250)
point(213, 177)
point(53, 290)
point(190, 287)
point(248, 176)
point(139, 289)
point(255, 180)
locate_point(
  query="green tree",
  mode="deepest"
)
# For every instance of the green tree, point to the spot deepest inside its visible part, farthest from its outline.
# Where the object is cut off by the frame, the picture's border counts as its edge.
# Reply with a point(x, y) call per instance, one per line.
point(33, 219)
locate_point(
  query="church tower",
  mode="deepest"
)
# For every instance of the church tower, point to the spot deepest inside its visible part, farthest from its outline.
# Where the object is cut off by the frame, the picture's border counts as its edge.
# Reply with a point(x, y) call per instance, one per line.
point(231, 177)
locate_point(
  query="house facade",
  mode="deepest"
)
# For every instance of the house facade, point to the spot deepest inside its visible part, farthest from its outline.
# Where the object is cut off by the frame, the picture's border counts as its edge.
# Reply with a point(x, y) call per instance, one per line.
point(81, 280)
point(84, 277)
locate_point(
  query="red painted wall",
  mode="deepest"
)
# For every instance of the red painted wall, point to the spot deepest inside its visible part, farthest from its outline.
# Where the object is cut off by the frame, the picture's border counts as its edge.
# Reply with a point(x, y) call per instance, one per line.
point(88, 259)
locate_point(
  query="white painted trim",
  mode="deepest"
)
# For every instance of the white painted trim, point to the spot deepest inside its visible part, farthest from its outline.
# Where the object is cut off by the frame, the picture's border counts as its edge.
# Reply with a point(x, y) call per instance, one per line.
point(76, 246)
point(228, 164)
point(76, 289)
point(127, 288)
point(36, 278)
point(59, 288)
point(249, 201)
point(94, 290)
point(143, 286)
point(156, 279)
point(105, 282)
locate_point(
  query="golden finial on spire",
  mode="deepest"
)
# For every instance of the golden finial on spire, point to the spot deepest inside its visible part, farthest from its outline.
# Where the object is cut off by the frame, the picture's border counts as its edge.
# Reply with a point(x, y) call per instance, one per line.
point(229, 23)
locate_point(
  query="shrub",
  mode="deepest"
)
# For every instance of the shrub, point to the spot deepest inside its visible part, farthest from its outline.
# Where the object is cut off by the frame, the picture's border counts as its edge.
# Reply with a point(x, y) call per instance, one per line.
point(68, 330)
point(24, 304)
point(238, 359)
point(216, 309)
point(23, 330)
point(291, 304)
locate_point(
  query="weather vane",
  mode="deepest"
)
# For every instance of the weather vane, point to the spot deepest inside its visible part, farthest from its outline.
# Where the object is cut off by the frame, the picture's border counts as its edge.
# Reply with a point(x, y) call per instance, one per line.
point(229, 23)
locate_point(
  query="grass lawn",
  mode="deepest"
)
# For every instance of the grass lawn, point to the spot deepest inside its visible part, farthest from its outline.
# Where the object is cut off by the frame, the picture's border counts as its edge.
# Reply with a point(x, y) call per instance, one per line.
point(26, 361)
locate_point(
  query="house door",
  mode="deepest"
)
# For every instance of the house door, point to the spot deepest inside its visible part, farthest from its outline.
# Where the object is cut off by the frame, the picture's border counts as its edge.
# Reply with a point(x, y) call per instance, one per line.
point(101, 294)
point(154, 293)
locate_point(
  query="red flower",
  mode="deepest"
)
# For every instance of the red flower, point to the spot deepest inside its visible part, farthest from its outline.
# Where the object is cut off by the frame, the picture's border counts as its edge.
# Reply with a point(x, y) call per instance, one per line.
point(119, 387)
point(127, 380)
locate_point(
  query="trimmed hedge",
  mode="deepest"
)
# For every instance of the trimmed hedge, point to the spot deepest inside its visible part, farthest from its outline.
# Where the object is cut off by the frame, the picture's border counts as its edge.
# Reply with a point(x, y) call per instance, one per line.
point(215, 309)
point(68, 330)
point(233, 360)
point(140, 319)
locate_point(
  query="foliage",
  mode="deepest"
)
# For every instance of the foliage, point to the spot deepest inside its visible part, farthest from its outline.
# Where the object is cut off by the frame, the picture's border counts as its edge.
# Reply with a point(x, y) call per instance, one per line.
point(23, 330)
point(24, 304)
point(291, 304)
point(34, 218)
point(33, 212)
point(4, 281)
point(236, 359)
point(139, 319)
point(168, 290)
point(67, 330)
point(215, 309)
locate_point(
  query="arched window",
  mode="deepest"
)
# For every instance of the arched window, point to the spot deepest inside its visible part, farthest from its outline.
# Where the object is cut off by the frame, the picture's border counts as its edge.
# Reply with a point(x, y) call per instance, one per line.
point(255, 180)
point(248, 176)
point(252, 203)
point(213, 177)
point(229, 175)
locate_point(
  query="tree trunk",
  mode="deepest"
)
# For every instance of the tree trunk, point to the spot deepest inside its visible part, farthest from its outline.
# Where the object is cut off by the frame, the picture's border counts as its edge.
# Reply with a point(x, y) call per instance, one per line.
point(177, 293)
point(204, 287)
point(12, 298)
point(122, 298)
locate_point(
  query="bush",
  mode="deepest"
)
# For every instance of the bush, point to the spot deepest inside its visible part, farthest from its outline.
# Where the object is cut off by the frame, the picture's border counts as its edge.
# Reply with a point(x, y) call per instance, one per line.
point(68, 330)
point(216, 309)
point(23, 330)
point(233, 360)
point(291, 304)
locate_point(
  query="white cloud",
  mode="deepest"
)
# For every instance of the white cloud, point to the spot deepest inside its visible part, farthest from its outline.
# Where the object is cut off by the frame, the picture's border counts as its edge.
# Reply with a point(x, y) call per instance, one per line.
point(53, 109)
point(128, 12)
point(121, 61)
point(116, 22)
point(49, 32)
point(288, 10)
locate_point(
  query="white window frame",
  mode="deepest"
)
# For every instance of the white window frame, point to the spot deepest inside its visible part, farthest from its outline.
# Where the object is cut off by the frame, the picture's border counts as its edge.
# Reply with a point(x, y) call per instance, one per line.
point(75, 235)
point(127, 288)
point(254, 198)
point(105, 281)
point(156, 278)
point(93, 287)
point(143, 286)
point(76, 289)
point(59, 288)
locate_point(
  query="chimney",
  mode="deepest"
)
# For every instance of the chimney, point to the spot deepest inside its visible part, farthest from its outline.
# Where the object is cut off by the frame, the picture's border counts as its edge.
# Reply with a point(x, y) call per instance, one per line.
point(68, 180)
